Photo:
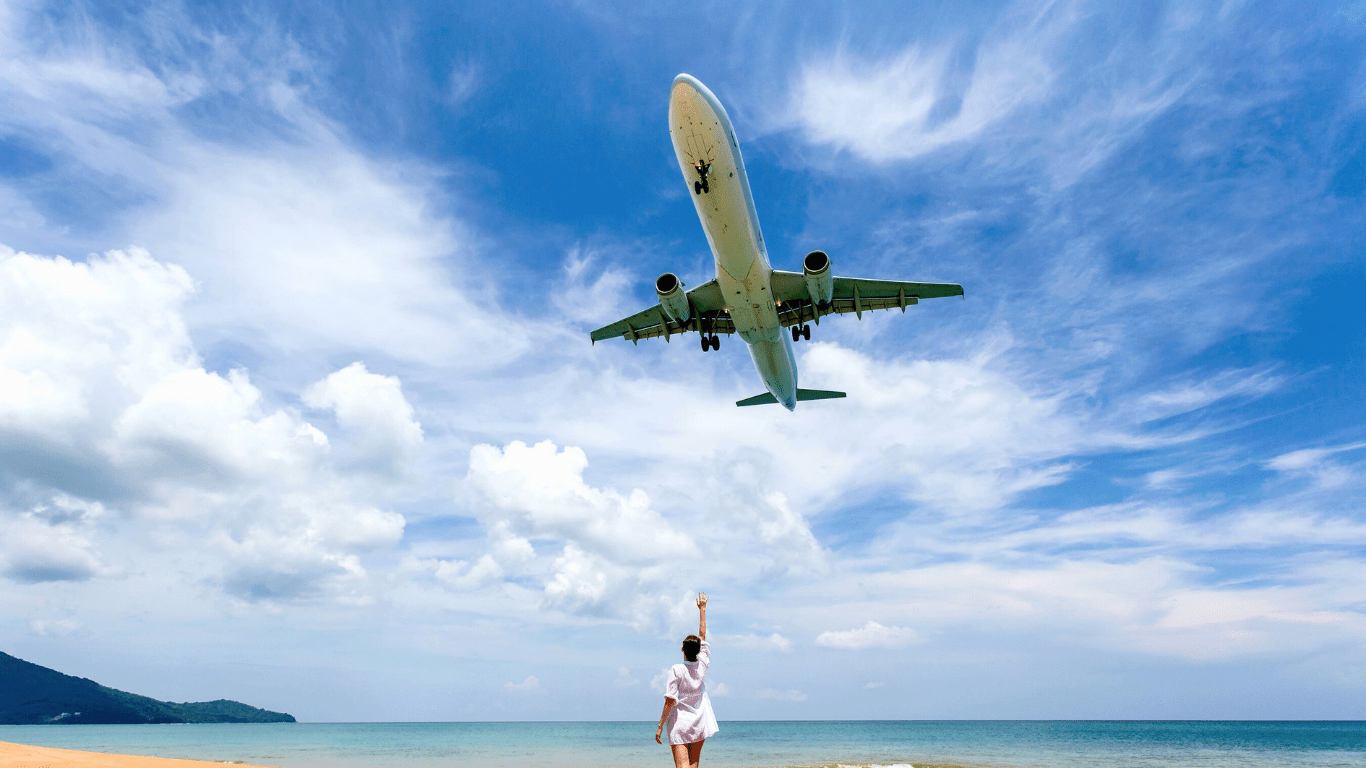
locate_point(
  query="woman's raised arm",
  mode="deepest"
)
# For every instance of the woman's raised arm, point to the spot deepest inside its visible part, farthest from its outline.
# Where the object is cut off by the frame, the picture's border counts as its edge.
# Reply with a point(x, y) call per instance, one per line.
point(702, 615)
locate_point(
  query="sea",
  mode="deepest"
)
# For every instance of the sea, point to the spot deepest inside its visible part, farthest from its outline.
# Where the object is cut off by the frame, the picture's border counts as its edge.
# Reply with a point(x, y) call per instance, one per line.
point(766, 744)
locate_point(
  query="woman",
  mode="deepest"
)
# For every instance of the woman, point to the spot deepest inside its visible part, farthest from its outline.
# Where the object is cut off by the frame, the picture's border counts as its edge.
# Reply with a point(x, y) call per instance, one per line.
point(687, 710)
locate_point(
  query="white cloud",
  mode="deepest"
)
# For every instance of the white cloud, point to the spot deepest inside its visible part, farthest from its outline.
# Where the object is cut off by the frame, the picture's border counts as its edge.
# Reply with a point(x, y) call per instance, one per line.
point(870, 635)
point(531, 683)
point(324, 248)
point(201, 422)
point(372, 410)
point(1315, 463)
point(589, 302)
point(908, 104)
point(658, 682)
point(464, 82)
point(197, 457)
point(773, 694)
point(56, 627)
point(540, 491)
point(753, 642)
point(954, 434)
point(870, 685)
point(624, 679)
point(127, 334)
point(35, 547)
point(717, 689)
point(303, 244)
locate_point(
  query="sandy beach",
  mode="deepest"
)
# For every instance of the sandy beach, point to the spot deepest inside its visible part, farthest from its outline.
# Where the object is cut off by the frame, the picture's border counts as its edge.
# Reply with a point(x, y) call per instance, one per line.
point(25, 756)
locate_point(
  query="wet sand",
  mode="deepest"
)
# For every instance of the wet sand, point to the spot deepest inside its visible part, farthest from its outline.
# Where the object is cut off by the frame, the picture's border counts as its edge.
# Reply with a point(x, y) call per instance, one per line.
point(25, 756)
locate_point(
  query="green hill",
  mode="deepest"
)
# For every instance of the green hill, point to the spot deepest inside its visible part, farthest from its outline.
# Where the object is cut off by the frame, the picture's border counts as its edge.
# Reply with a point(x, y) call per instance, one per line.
point(31, 695)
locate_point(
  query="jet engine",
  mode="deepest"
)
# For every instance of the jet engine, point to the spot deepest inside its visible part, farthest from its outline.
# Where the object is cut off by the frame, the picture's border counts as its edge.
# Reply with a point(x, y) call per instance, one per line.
point(819, 282)
point(672, 299)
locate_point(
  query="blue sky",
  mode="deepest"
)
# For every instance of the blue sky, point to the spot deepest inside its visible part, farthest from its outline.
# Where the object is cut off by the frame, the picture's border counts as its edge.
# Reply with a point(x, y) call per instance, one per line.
point(297, 405)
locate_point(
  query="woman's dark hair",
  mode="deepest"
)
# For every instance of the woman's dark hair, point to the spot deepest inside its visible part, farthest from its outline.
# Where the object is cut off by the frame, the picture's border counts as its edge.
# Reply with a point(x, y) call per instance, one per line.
point(691, 645)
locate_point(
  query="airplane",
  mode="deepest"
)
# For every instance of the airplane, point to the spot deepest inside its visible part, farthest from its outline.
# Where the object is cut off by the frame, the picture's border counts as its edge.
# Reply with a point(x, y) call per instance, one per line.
point(748, 296)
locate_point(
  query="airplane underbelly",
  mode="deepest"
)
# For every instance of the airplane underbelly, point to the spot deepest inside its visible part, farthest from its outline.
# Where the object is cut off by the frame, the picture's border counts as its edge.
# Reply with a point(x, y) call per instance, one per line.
point(776, 366)
point(709, 157)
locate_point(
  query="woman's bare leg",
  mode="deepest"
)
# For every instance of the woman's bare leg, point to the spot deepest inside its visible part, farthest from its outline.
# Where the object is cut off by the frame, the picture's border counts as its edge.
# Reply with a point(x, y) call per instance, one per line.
point(695, 753)
point(687, 755)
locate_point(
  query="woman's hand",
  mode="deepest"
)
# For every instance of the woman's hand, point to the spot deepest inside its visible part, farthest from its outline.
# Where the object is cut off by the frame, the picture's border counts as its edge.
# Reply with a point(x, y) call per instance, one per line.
point(658, 731)
point(702, 616)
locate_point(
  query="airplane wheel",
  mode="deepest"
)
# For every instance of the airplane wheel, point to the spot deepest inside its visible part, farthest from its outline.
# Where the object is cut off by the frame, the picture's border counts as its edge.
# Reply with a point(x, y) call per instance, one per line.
point(796, 333)
point(806, 332)
point(697, 187)
point(716, 342)
point(706, 343)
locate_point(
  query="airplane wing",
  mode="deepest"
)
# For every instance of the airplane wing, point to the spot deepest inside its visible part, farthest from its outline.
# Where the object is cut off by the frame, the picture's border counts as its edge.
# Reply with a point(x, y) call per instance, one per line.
point(708, 309)
point(851, 294)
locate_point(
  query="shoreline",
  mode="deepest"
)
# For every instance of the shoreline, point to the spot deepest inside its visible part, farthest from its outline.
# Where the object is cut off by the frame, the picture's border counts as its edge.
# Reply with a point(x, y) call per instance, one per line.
point(14, 755)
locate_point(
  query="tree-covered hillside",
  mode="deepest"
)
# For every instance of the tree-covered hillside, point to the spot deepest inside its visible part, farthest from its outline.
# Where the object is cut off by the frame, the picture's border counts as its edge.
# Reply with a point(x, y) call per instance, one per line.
point(30, 695)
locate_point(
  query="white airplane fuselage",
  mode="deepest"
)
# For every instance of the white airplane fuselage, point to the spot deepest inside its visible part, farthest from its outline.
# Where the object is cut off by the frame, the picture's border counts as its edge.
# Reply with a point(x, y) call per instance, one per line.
point(709, 156)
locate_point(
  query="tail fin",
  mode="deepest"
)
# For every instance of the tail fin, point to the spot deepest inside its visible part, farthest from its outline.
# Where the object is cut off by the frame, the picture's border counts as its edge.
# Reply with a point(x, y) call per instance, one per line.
point(767, 398)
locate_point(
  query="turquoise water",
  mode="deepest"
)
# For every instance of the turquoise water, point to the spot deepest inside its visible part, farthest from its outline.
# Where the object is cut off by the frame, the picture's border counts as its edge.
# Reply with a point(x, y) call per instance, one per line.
point(1058, 744)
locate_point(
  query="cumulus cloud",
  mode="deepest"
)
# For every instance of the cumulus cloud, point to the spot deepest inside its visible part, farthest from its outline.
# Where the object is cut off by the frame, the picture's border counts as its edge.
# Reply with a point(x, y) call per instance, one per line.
point(133, 417)
point(531, 683)
point(870, 635)
point(609, 553)
point(540, 490)
point(371, 408)
point(199, 422)
point(113, 319)
point(53, 542)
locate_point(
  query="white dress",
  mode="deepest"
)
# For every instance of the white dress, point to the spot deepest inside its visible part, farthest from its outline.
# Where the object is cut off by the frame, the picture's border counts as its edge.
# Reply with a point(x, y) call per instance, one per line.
point(691, 719)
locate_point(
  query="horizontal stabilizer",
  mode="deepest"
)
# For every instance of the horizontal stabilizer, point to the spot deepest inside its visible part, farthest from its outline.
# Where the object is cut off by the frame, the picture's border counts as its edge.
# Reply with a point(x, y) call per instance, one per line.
point(767, 398)
point(817, 394)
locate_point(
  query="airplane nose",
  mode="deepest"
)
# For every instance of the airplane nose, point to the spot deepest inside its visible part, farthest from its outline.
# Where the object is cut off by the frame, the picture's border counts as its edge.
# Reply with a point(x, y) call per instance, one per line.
point(684, 77)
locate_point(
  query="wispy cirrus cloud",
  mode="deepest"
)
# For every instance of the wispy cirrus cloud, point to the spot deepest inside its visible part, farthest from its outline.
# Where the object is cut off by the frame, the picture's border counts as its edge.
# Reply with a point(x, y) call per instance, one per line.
point(916, 101)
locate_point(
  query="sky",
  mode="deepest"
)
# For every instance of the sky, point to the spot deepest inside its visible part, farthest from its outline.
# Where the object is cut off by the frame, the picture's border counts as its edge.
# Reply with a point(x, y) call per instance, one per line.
point(298, 405)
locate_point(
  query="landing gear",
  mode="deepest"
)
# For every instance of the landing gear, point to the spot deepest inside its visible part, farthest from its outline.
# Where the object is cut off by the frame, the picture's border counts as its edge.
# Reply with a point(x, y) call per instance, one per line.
point(701, 185)
point(710, 341)
point(800, 332)
point(806, 332)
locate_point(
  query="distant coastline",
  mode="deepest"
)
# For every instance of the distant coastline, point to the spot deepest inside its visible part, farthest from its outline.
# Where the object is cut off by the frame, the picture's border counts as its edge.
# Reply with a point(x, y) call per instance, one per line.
point(35, 695)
